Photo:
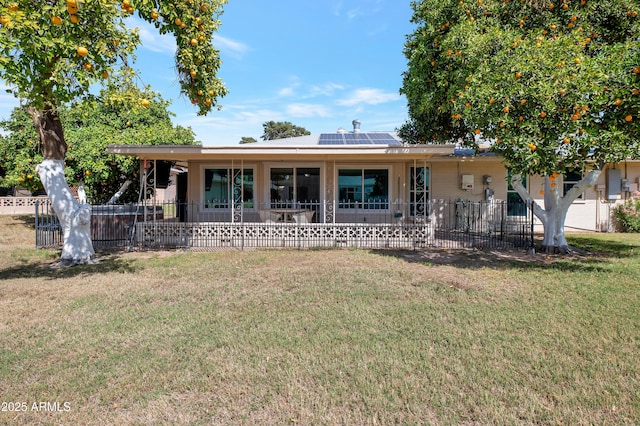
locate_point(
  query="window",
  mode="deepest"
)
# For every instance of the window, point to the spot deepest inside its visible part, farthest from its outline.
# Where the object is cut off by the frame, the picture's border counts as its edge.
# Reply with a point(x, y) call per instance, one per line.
point(570, 179)
point(419, 192)
point(363, 188)
point(300, 185)
point(515, 205)
point(224, 187)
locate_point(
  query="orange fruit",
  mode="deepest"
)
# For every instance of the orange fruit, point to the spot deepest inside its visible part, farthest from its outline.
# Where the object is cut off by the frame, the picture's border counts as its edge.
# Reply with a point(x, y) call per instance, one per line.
point(193, 74)
point(618, 101)
point(628, 118)
point(145, 102)
point(505, 109)
point(82, 51)
point(72, 9)
point(518, 75)
point(492, 101)
point(194, 42)
point(56, 20)
point(74, 19)
point(566, 140)
point(154, 15)
point(88, 66)
point(543, 114)
point(105, 74)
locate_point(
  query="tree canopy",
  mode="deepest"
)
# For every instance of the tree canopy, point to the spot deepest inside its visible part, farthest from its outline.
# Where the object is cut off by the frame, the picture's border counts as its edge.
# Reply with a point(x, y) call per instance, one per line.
point(52, 51)
point(282, 129)
point(552, 83)
point(89, 127)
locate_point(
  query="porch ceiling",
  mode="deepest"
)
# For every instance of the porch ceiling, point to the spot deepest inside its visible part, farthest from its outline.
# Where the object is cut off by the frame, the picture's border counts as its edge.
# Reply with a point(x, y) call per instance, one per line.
point(261, 152)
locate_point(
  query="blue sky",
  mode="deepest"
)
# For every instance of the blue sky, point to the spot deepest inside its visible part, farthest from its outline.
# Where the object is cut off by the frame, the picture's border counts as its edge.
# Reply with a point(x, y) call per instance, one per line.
point(316, 63)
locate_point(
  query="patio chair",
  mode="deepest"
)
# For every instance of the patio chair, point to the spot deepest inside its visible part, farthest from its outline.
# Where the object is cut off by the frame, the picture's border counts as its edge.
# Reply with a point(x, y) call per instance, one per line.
point(304, 217)
point(268, 216)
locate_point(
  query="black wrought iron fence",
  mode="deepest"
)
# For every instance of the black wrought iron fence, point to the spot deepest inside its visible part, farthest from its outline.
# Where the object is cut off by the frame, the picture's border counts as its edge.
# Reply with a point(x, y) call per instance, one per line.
point(442, 223)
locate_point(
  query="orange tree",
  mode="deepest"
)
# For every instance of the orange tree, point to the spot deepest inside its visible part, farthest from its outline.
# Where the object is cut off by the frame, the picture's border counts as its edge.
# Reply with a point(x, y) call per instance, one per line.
point(52, 51)
point(553, 84)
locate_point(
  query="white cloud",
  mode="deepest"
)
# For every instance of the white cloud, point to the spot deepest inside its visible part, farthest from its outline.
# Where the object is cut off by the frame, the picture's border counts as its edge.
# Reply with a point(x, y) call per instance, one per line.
point(164, 43)
point(369, 97)
point(230, 47)
point(286, 91)
point(326, 89)
point(307, 110)
point(150, 38)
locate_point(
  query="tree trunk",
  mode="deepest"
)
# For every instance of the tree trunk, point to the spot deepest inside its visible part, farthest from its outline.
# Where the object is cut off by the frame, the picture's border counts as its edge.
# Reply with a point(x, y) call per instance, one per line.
point(556, 207)
point(74, 218)
point(554, 240)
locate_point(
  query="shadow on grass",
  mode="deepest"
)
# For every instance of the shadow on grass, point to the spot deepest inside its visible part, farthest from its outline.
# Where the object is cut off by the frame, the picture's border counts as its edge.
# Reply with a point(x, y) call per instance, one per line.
point(594, 255)
point(42, 269)
point(28, 220)
point(606, 247)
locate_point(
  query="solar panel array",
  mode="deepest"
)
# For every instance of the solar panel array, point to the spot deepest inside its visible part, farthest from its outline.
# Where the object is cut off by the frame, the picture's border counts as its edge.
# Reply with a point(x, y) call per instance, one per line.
point(358, 139)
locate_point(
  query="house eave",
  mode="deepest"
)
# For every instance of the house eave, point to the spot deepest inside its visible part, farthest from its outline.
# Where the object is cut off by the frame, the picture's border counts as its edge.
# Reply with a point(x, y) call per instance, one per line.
point(192, 152)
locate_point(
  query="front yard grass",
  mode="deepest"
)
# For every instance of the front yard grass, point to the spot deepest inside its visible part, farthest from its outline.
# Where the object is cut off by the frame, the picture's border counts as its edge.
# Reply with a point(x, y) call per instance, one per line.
point(321, 337)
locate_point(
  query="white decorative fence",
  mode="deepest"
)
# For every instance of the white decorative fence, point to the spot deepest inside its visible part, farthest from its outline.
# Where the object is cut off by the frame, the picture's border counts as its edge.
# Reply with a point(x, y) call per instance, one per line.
point(20, 205)
point(449, 224)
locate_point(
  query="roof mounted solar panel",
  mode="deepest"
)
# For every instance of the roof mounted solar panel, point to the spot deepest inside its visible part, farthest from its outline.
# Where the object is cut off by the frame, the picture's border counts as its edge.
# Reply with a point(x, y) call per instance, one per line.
point(384, 139)
point(331, 139)
point(356, 138)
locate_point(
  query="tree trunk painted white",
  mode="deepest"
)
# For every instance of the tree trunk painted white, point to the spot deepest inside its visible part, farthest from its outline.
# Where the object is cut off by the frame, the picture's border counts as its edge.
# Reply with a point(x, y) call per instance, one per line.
point(75, 218)
point(554, 213)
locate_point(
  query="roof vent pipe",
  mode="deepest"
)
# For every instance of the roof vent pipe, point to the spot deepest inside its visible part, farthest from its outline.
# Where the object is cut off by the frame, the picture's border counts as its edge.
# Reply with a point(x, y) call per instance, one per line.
point(356, 126)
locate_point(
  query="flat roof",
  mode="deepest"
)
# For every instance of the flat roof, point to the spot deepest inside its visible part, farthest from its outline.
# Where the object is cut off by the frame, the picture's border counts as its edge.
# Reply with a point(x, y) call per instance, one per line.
point(262, 150)
point(324, 145)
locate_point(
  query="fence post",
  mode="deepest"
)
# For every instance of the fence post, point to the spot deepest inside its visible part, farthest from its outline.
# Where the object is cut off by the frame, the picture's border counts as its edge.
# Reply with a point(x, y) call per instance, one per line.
point(531, 235)
point(36, 206)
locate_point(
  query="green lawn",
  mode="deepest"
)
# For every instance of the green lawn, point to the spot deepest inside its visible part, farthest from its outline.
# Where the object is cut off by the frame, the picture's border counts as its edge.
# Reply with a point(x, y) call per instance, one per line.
point(321, 337)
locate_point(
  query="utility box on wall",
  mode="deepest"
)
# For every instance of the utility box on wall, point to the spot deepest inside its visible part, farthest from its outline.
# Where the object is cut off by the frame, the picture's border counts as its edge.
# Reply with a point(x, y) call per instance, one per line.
point(467, 182)
point(614, 184)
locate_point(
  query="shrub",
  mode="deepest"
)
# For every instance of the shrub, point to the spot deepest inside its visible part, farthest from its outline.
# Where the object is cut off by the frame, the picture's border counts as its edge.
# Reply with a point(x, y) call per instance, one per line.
point(627, 214)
